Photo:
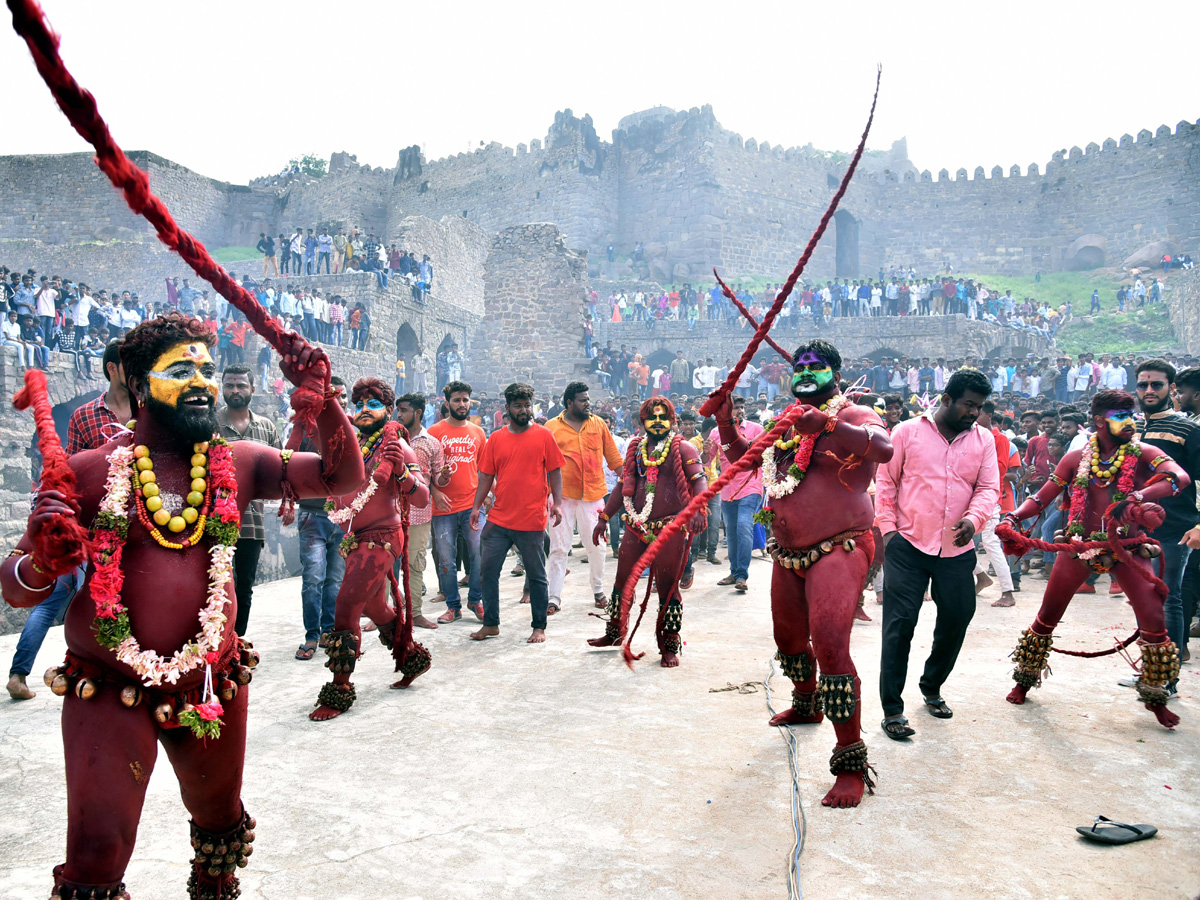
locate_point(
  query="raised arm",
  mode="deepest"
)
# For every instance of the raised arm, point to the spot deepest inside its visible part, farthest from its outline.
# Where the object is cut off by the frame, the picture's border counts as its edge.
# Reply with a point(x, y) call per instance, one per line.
point(1054, 486)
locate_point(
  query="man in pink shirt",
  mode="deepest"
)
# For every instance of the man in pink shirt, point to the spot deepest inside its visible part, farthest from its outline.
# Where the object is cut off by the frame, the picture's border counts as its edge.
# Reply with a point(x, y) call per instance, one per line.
point(740, 500)
point(939, 488)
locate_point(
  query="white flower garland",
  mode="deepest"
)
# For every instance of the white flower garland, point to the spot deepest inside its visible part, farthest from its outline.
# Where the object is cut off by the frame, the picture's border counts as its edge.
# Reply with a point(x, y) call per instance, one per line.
point(641, 517)
point(775, 488)
point(345, 514)
point(153, 669)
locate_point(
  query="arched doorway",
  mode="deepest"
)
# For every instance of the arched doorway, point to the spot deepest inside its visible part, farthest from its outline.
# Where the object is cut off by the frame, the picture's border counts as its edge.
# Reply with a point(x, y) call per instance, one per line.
point(407, 344)
point(846, 244)
point(885, 353)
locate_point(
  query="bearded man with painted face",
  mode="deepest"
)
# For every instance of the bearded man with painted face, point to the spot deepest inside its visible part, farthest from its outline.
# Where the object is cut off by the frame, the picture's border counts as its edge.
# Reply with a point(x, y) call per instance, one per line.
point(815, 481)
point(152, 655)
point(661, 475)
point(375, 539)
point(1113, 481)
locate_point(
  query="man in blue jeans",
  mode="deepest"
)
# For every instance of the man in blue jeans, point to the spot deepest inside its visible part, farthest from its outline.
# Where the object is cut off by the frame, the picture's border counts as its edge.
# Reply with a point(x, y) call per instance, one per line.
point(41, 617)
point(462, 445)
point(524, 464)
point(741, 498)
point(321, 565)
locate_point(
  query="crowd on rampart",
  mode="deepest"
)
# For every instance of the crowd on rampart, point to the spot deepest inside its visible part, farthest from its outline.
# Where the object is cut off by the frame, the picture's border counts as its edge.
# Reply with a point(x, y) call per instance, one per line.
point(305, 252)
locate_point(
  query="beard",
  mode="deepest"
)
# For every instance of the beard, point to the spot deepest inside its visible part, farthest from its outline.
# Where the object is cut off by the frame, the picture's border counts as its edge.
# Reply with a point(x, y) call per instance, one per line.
point(191, 426)
point(237, 401)
point(1151, 405)
point(518, 419)
point(371, 427)
point(460, 417)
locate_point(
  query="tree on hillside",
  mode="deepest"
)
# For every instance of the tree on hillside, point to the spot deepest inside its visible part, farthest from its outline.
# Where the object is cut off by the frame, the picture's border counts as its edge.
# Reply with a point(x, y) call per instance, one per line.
point(310, 164)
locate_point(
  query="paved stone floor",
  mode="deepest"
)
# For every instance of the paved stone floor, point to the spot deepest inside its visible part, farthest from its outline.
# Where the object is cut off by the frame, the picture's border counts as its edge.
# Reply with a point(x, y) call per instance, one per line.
point(552, 771)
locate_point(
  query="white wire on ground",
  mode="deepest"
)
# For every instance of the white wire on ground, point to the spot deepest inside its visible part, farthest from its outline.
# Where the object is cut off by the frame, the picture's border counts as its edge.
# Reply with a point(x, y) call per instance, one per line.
point(799, 821)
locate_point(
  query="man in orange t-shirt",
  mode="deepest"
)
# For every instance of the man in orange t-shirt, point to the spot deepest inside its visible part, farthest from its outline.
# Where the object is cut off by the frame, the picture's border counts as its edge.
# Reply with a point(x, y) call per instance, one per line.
point(521, 464)
point(462, 445)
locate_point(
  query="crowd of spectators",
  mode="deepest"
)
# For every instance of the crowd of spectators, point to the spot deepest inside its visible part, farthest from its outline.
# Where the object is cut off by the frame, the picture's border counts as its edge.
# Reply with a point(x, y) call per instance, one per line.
point(307, 251)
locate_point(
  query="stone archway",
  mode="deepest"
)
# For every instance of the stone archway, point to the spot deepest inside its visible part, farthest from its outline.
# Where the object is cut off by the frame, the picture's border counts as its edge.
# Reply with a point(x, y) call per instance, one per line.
point(886, 353)
point(406, 342)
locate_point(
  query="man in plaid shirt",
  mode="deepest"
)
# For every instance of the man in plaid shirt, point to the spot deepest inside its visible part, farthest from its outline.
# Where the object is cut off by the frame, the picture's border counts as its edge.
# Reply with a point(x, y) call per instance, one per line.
point(92, 425)
point(235, 422)
point(409, 410)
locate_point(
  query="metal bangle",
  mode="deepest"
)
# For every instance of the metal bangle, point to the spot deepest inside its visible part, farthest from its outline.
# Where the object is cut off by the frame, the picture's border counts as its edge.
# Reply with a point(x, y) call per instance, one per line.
point(21, 581)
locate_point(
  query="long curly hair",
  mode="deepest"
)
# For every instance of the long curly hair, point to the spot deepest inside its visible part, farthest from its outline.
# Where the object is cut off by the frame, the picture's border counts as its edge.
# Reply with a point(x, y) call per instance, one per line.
point(376, 387)
point(148, 341)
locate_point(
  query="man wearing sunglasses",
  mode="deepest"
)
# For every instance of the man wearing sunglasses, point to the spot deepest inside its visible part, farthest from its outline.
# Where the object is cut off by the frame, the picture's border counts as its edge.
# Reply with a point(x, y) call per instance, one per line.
point(1176, 435)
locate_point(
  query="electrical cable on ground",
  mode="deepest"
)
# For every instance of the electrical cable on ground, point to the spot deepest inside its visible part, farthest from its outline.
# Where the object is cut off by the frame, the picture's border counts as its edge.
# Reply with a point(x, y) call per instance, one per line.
point(799, 820)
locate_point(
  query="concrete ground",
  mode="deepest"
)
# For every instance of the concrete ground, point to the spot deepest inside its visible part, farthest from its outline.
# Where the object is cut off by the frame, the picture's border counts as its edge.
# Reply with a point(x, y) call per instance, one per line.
point(552, 771)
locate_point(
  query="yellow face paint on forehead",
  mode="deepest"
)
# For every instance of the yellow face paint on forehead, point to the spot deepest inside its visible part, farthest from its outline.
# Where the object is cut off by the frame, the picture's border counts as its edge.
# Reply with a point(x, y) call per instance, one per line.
point(181, 369)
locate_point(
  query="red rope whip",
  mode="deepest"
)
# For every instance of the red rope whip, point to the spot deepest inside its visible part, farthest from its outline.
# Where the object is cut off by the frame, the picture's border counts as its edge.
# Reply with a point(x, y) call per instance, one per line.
point(1021, 543)
point(79, 106)
point(746, 314)
point(61, 545)
point(735, 373)
point(748, 460)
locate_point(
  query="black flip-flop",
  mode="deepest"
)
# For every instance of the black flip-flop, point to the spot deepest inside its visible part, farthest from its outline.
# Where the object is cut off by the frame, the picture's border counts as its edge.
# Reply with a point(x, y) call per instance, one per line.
point(937, 708)
point(896, 727)
point(1115, 832)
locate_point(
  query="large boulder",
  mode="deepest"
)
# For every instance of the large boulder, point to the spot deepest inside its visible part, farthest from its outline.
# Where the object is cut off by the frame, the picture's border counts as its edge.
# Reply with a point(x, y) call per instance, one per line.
point(1086, 252)
point(1149, 256)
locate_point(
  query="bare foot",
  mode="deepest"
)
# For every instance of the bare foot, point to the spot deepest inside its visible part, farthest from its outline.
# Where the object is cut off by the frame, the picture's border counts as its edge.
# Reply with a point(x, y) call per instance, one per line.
point(605, 641)
point(1165, 717)
point(324, 713)
point(524, 598)
point(1017, 695)
point(370, 626)
point(847, 791)
point(982, 581)
point(422, 622)
point(669, 660)
point(539, 637)
point(18, 689)
point(790, 717)
point(408, 679)
point(1006, 599)
point(487, 631)
point(861, 614)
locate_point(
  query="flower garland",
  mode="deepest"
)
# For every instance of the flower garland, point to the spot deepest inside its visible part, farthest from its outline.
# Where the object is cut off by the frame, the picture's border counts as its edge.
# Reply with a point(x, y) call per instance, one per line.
point(1124, 465)
point(111, 622)
point(639, 518)
point(345, 514)
point(804, 444)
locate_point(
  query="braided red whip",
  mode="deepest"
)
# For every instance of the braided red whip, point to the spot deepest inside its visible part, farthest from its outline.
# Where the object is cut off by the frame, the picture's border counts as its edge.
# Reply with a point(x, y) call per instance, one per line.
point(1017, 543)
point(746, 314)
point(748, 460)
point(79, 106)
point(61, 545)
point(710, 405)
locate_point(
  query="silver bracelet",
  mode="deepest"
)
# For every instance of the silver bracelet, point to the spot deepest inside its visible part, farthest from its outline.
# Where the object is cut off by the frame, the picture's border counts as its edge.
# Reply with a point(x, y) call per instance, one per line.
point(21, 581)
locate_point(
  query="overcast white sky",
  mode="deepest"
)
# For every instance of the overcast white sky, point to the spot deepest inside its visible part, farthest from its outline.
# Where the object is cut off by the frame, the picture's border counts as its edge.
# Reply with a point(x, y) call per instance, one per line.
point(233, 89)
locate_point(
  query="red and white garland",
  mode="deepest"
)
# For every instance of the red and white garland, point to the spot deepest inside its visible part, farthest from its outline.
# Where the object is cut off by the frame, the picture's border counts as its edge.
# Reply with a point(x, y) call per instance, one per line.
point(775, 487)
point(111, 623)
point(1089, 454)
point(637, 517)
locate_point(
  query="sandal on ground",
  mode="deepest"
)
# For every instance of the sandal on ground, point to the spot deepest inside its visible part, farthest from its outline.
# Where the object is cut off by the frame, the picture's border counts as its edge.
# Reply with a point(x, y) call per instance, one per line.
point(517, 571)
point(306, 650)
point(896, 727)
point(551, 609)
point(938, 709)
point(1115, 832)
point(728, 579)
point(450, 615)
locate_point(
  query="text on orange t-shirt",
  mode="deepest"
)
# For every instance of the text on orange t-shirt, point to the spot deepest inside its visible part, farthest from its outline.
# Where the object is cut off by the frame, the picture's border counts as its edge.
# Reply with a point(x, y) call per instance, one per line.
point(462, 448)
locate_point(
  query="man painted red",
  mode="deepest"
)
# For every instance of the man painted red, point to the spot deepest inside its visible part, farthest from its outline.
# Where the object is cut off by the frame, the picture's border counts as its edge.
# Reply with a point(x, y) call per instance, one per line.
point(1113, 480)
point(164, 504)
point(374, 540)
point(825, 463)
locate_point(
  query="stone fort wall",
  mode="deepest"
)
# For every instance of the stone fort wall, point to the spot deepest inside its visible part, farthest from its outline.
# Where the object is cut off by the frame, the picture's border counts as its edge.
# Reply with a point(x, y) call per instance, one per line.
point(694, 193)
